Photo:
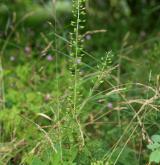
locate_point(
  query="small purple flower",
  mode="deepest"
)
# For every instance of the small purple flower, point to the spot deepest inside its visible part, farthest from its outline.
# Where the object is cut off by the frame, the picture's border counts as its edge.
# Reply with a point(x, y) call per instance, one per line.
point(110, 105)
point(47, 97)
point(49, 57)
point(27, 49)
point(12, 58)
point(79, 61)
point(88, 37)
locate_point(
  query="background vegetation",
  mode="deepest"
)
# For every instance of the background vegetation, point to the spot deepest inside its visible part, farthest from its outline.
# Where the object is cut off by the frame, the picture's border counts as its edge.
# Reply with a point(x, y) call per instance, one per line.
point(79, 82)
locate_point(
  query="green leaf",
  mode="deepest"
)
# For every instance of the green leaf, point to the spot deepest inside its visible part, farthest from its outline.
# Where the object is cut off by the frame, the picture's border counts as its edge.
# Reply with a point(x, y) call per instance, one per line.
point(153, 146)
point(56, 159)
point(156, 138)
point(155, 156)
point(37, 161)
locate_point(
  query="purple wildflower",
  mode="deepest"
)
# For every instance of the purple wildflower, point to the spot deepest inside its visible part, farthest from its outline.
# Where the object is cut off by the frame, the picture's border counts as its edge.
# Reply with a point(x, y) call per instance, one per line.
point(88, 37)
point(47, 97)
point(79, 61)
point(49, 57)
point(27, 49)
point(110, 105)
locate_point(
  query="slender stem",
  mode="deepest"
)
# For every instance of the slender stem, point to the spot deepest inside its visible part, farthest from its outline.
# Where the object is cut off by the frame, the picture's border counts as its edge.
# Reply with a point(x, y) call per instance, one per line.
point(76, 70)
point(76, 56)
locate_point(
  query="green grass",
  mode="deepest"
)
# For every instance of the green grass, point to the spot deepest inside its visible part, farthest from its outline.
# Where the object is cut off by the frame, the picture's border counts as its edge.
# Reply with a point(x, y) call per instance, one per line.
point(78, 89)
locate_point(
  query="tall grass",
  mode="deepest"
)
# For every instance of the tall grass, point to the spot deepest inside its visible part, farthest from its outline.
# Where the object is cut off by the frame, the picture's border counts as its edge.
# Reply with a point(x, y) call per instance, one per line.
point(90, 116)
